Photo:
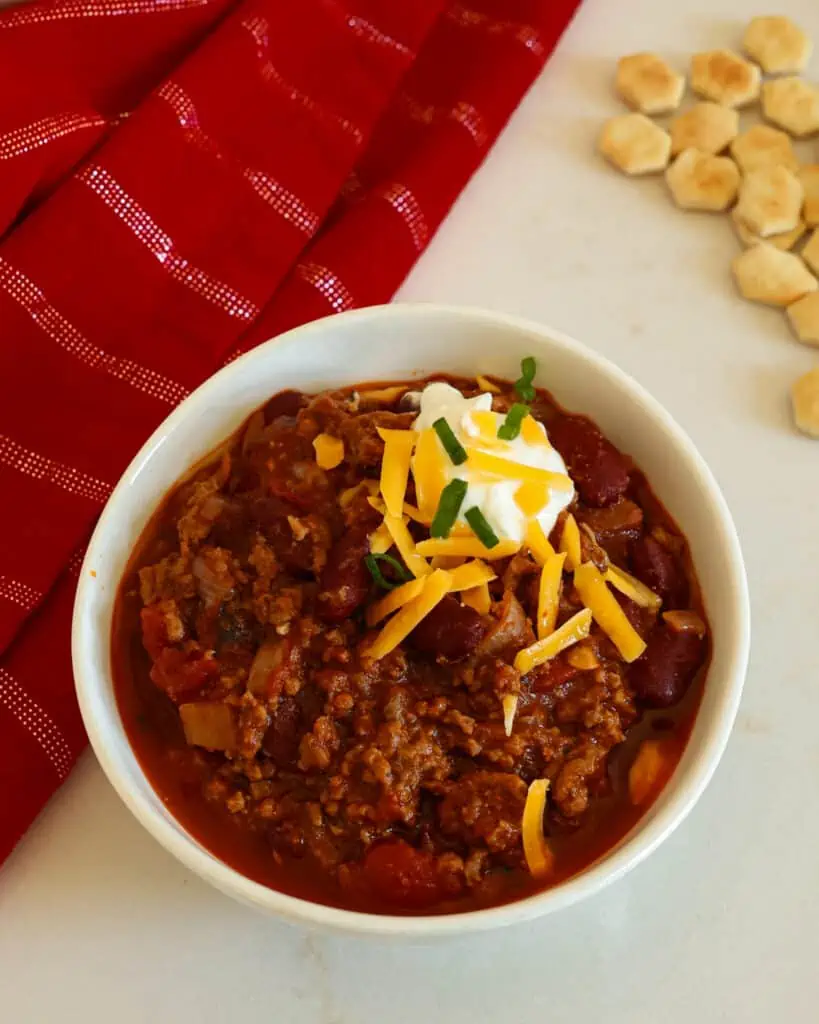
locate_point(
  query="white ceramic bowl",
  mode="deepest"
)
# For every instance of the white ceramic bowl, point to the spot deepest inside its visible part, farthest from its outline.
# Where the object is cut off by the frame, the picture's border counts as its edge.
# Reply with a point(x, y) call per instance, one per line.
point(401, 341)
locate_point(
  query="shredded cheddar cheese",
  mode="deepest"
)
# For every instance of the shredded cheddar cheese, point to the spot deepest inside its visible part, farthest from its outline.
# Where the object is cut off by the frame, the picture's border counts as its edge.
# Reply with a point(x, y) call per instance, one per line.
point(329, 451)
point(380, 540)
point(390, 394)
point(506, 468)
point(509, 703)
point(633, 589)
point(532, 497)
point(346, 497)
point(538, 543)
point(478, 598)
point(417, 565)
point(536, 850)
point(548, 599)
point(470, 575)
point(434, 589)
point(394, 600)
point(487, 385)
point(410, 511)
point(446, 562)
point(533, 432)
point(574, 629)
point(607, 613)
point(395, 467)
point(428, 472)
point(570, 542)
point(469, 547)
point(487, 425)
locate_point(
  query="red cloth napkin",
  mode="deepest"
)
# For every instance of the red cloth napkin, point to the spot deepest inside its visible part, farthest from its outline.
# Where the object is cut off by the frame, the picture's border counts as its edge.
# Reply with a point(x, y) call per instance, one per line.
point(180, 180)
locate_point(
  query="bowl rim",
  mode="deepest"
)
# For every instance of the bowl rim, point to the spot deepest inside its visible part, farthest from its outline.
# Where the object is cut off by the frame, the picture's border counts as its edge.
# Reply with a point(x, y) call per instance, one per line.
point(631, 851)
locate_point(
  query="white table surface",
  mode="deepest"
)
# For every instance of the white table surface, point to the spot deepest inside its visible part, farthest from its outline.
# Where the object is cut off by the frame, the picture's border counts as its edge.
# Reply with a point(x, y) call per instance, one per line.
point(99, 924)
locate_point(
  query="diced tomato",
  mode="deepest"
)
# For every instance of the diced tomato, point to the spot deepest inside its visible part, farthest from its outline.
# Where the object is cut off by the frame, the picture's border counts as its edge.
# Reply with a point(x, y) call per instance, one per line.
point(179, 673)
point(399, 874)
point(154, 633)
point(551, 674)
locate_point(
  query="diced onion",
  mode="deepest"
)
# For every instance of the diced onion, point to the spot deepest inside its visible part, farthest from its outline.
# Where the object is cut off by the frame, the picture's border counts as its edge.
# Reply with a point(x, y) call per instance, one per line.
point(510, 705)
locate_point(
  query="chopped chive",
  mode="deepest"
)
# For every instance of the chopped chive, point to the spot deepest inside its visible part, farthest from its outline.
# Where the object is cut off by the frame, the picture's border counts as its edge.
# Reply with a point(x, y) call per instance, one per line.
point(481, 528)
point(523, 385)
point(454, 449)
point(449, 506)
point(510, 428)
point(371, 561)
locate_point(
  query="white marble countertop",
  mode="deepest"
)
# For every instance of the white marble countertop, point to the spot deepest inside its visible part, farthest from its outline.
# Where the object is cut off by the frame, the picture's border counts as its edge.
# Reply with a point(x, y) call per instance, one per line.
point(98, 923)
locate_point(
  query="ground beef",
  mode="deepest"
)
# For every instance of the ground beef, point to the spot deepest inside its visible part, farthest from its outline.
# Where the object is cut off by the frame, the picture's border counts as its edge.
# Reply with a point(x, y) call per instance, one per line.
point(485, 808)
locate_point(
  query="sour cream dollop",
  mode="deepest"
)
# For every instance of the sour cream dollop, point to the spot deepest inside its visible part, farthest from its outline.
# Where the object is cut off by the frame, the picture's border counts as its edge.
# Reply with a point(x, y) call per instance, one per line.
point(495, 498)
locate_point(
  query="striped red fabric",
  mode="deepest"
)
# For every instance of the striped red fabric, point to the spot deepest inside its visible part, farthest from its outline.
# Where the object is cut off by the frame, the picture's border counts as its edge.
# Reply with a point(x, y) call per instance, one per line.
point(180, 180)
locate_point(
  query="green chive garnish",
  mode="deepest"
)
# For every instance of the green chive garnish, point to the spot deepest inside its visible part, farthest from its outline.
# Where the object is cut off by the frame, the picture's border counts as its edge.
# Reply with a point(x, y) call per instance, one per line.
point(449, 506)
point(454, 449)
point(523, 385)
point(371, 561)
point(510, 428)
point(482, 530)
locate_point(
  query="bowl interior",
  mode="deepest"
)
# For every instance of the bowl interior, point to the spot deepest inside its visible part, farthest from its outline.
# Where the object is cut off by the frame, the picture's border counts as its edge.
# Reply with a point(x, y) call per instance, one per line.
point(394, 342)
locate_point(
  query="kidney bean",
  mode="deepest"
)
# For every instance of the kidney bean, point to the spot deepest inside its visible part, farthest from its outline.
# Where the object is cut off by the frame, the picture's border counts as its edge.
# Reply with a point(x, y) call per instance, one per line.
point(451, 630)
point(281, 741)
point(181, 673)
point(285, 403)
point(345, 580)
point(664, 671)
point(600, 472)
point(660, 570)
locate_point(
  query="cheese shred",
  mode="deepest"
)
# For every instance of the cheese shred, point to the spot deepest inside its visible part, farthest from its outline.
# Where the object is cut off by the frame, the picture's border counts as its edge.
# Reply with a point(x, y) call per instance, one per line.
point(536, 850)
point(508, 469)
point(538, 543)
point(574, 629)
point(607, 613)
point(428, 472)
point(487, 385)
point(469, 547)
point(548, 598)
point(397, 528)
point(380, 540)
point(395, 467)
point(478, 598)
point(471, 574)
point(570, 543)
point(329, 451)
point(394, 600)
point(434, 589)
point(632, 588)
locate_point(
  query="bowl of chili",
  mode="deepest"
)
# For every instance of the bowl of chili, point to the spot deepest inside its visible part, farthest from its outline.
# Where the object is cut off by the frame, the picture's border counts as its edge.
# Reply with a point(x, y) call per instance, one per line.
point(416, 620)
